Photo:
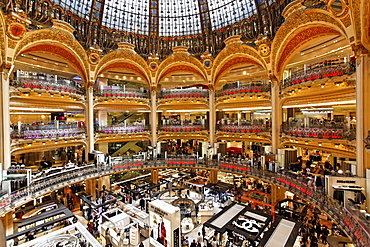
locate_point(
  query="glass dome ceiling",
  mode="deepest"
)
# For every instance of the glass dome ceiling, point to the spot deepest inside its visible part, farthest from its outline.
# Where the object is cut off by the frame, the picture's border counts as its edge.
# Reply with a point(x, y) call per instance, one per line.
point(155, 26)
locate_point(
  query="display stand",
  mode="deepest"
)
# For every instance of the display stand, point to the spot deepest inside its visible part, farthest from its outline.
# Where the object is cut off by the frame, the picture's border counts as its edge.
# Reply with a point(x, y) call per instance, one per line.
point(164, 221)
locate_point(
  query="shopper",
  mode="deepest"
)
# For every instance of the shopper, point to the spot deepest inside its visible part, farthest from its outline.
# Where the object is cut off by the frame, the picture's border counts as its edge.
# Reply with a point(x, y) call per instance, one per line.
point(194, 243)
point(108, 239)
point(200, 239)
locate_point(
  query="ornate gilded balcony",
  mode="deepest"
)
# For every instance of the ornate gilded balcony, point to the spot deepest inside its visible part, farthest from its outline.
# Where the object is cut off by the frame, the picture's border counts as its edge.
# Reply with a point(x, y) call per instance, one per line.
point(255, 87)
point(121, 129)
point(183, 128)
point(47, 131)
point(47, 83)
point(119, 92)
point(253, 128)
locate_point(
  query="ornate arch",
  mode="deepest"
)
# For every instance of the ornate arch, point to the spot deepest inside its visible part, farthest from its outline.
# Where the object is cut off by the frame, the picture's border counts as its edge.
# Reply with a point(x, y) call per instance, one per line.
point(232, 56)
point(58, 42)
point(2, 38)
point(180, 62)
point(301, 27)
point(126, 59)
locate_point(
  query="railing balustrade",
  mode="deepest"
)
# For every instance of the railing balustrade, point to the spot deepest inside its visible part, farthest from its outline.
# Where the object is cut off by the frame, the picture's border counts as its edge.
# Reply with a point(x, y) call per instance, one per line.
point(37, 82)
point(183, 128)
point(253, 128)
point(183, 93)
point(356, 230)
point(320, 70)
point(113, 129)
point(244, 89)
point(120, 93)
point(47, 133)
point(320, 132)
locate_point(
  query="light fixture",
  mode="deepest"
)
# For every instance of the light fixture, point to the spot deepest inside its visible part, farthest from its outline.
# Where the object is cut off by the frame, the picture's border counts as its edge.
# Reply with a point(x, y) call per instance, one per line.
point(39, 94)
point(43, 143)
point(299, 89)
point(336, 145)
point(309, 87)
point(51, 95)
point(251, 97)
point(56, 142)
point(320, 144)
point(322, 85)
point(306, 143)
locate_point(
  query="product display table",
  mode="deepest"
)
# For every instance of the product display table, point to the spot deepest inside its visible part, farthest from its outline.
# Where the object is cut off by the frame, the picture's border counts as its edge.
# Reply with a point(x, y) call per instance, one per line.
point(187, 225)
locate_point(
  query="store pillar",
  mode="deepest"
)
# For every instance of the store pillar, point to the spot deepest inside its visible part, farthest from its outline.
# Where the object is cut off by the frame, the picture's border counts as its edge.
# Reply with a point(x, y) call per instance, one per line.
point(7, 222)
point(276, 117)
point(153, 117)
point(213, 179)
point(212, 117)
point(277, 193)
point(4, 121)
point(91, 187)
point(154, 176)
point(104, 183)
point(90, 120)
point(362, 108)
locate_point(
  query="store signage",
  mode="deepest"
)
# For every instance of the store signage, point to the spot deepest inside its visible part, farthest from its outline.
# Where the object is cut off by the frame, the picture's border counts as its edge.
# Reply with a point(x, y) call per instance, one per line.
point(248, 225)
point(158, 211)
point(176, 237)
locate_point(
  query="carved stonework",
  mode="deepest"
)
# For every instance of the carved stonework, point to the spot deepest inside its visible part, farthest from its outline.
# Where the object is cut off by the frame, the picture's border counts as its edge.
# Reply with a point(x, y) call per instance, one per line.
point(294, 20)
point(58, 42)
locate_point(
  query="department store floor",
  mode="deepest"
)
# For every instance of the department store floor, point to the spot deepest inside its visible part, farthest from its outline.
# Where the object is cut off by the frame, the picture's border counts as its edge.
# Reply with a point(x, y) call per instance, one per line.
point(192, 235)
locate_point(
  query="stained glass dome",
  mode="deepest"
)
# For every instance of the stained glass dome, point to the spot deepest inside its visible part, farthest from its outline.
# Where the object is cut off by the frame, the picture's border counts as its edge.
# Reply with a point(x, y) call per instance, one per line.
point(155, 26)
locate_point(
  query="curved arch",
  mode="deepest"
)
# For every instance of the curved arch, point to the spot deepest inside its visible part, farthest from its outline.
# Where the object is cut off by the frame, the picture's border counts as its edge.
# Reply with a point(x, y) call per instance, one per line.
point(126, 59)
point(300, 28)
point(2, 38)
point(180, 62)
point(234, 55)
point(58, 42)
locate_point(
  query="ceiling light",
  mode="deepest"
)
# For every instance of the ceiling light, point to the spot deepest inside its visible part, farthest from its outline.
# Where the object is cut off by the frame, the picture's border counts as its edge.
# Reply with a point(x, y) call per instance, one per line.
point(34, 109)
point(322, 104)
point(322, 85)
point(320, 144)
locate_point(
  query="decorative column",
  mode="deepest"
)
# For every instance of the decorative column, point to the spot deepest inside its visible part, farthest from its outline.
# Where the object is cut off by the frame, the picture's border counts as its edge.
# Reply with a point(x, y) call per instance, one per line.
point(90, 119)
point(104, 181)
point(154, 176)
point(362, 108)
point(4, 121)
point(91, 187)
point(212, 117)
point(276, 116)
point(7, 222)
point(153, 116)
point(277, 193)
point(213, 179)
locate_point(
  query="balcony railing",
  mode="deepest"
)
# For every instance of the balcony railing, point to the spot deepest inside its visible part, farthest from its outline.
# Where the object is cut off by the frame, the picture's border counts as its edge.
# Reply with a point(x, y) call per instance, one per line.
point(183, 93)
point(40, 82)
point(120, 93)
point(321, 132)
point(320, 70)
point(254, 128)
point(351, 225)
point(183, 128)
point(47, 133)
point(244, 89)
point(118, 129)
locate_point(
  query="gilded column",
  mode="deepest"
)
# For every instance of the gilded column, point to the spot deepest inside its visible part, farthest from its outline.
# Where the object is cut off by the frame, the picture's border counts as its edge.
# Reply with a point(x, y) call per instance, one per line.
point(276, 116)
point(7, 222)
point(4, 121)
point(212, 117)
point(213, 176)
point(91, 187)
point(104, 181)
point(90, 119)
point(153, 116)
point(362, 108)
point(154, 176)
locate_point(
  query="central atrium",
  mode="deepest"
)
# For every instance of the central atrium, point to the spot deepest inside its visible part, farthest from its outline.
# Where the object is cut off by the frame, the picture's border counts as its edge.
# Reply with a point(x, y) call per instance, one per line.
point(173, 123)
